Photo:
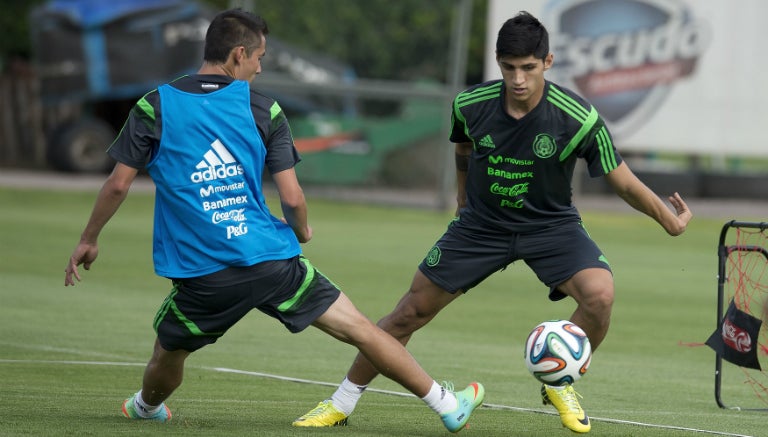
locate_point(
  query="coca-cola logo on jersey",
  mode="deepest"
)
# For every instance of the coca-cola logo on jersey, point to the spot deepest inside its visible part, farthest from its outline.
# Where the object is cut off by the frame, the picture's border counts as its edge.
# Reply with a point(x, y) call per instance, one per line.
point(736, 338)
point(624, 55)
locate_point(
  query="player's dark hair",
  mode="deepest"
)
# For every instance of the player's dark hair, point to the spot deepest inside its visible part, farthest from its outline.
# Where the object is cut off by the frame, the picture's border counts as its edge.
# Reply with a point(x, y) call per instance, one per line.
point(233, 28)
point(523, 35)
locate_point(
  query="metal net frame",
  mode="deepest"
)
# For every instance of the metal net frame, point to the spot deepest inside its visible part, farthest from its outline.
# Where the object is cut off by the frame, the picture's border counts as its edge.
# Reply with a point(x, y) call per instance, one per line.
point(743, 278)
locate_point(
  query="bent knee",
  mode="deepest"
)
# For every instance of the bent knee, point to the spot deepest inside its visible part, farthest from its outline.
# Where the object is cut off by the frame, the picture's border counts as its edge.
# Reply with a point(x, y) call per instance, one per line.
point(590, 287)
point(412, 312)
point(601, 297)
point(403, 322)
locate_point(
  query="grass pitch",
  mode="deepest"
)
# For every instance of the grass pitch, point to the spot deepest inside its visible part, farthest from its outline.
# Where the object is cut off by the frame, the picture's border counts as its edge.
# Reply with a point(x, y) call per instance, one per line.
point(69, 356)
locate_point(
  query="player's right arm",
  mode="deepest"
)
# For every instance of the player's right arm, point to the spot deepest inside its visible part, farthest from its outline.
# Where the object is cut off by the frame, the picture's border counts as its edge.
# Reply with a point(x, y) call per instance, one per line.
point(463, 152)
point(109, 199)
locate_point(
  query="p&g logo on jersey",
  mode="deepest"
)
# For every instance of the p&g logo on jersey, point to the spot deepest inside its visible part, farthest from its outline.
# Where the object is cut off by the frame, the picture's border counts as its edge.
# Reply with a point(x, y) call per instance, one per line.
point(236, 230)
point(217, 163)
point(624, 55)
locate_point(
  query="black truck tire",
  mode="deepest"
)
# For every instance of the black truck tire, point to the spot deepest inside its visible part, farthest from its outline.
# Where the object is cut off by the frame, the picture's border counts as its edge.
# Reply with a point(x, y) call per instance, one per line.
point(81, 146)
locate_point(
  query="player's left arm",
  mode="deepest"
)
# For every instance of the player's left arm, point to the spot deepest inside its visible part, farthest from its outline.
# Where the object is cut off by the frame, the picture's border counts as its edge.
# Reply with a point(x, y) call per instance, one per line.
point(643, 199)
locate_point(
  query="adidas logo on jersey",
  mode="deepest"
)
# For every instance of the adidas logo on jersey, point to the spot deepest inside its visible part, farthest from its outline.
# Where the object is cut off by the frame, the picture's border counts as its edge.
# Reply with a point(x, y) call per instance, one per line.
point(217, 163)
point(487, 141)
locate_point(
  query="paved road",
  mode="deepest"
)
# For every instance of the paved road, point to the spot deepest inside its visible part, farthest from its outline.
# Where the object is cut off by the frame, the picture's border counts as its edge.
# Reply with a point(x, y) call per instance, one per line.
point(726, 209)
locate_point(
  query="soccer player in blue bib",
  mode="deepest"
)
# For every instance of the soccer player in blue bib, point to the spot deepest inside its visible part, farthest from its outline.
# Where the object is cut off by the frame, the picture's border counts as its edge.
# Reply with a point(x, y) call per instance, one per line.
point(517, 141)
point(205, 140)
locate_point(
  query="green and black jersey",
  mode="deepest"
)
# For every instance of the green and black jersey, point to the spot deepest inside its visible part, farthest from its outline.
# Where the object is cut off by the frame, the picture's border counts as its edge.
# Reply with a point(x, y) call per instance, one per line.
point(138, 140)
point(520, 171)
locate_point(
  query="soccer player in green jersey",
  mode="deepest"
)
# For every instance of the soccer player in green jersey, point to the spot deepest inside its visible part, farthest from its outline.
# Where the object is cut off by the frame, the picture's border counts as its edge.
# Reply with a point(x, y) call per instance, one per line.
point(517, 141)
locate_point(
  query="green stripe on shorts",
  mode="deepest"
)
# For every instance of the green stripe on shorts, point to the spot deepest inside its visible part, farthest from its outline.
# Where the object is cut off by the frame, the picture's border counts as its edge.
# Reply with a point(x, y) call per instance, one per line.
point(297, 298)
point(170, 305)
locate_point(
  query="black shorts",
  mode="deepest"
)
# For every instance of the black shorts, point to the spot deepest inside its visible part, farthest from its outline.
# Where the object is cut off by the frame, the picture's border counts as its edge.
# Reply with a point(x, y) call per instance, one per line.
point(465, 255)
point(200, 310)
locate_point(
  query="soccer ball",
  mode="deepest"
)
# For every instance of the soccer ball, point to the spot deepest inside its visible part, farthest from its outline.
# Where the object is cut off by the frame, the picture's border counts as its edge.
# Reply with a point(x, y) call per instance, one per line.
point(557, 352)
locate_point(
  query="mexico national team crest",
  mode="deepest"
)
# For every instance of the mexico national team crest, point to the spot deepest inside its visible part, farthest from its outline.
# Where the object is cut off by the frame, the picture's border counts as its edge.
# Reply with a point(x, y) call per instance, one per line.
point(624, 56)
point(433, 257)
point(544, 146)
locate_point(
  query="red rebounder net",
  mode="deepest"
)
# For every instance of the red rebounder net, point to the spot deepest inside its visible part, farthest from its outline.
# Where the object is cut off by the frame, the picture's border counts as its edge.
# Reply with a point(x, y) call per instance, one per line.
point(743, 279)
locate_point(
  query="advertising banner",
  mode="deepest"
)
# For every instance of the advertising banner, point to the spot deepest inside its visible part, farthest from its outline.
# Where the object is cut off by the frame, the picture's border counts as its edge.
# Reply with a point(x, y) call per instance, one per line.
point(680, 76)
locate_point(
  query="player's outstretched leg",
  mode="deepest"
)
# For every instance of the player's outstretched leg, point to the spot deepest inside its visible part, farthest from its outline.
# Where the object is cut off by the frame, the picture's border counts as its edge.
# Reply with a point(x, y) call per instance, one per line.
point(565, 400)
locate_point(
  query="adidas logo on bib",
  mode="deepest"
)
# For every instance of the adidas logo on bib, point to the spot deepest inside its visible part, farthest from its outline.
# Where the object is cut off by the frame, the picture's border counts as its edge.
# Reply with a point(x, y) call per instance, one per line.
point(217, 163)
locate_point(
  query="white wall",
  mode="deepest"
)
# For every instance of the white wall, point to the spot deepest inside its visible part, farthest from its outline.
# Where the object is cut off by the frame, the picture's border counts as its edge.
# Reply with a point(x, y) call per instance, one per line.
point(718, 108)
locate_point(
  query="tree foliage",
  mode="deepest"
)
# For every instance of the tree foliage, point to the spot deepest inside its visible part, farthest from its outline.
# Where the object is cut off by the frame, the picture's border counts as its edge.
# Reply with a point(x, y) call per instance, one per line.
point(379, 39)
point(14, 22)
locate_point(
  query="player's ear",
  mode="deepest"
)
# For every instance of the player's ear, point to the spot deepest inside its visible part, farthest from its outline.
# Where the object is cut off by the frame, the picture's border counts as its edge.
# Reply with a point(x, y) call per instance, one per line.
point(237, 54)
point(548, 61)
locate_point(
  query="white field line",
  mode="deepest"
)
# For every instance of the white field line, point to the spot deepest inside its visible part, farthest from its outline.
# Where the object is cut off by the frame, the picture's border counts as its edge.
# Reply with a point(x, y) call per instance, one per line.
point(388, 392)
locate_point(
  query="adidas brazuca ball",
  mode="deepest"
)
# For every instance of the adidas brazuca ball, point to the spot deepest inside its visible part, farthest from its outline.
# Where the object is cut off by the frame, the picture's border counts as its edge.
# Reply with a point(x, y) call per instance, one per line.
point(557, 352)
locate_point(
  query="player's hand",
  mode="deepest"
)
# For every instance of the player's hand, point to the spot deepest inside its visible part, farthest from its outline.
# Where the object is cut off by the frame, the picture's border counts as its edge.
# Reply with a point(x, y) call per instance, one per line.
point(84, 254)
point(304, 235)
point(682, 212)
point(307, 235)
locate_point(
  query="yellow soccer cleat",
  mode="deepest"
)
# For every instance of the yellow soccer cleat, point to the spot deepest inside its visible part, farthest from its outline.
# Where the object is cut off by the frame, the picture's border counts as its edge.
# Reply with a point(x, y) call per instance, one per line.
point(565, 399)
point(324, 414)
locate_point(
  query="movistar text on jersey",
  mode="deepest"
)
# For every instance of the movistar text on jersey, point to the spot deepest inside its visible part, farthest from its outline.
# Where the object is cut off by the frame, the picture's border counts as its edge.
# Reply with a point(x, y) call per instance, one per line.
point(216, 172)
point(210, 189)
